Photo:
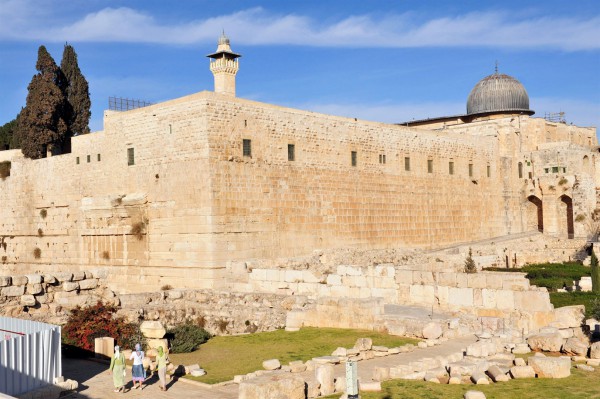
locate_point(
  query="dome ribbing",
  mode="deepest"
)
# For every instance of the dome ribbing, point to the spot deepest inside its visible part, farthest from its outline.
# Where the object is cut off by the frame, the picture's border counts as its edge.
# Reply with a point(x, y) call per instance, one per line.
point(498, 93)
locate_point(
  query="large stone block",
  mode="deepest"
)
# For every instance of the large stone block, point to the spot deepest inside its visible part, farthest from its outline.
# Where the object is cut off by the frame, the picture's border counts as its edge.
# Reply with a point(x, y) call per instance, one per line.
point(549, 342)
point(5, 281)
point(78, 275)
point(34, 289)
point(88, 284)
point(63, 276)
point(14, 290)
point(363, 344)
point(518, 372)
point(28, 300)
point(324, 375)
point(551, 367)
point(595, 350)
point(69, 286)
point(152, 329)
point(19, 280)
point(575, 346)
point(569, 316)
point(34, 278)
point(271, 364)
point(432, 330)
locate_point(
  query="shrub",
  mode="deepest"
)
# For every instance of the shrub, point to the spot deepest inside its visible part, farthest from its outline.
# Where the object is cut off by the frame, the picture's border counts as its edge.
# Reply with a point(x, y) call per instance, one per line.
point(595, 272)
point(187, 337)
point(580, 218)
point(562, 181)
point(594, 312)
point(40, 232)
point(43, 213)
point(222, 325)
point(86, 324)
point(105, 255)
point(37, 253)
point(470, 266)
point(4, 169)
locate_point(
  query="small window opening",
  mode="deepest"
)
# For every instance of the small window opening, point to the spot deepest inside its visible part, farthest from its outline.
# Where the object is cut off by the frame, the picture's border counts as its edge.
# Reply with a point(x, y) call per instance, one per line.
point(407, 164)
point(77, 160)
point(470, 170)
point(520, 170)
point(291, 152)
point(98, 157)
point(247, 147)
point(382, 158)
point(546, 170)
point(451, 167)
point(555, 169)
point(430, 166)
point(130, 157)
point(354, 158)
point(89, 158)
point(489, 171)
point(564, 170)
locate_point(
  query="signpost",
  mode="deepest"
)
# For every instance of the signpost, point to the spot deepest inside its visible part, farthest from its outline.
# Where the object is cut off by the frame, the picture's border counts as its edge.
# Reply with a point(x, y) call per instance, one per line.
point(351, 380)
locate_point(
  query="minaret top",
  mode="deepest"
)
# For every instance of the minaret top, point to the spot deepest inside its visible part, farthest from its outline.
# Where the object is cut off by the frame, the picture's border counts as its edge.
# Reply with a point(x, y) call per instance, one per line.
point(223, 49)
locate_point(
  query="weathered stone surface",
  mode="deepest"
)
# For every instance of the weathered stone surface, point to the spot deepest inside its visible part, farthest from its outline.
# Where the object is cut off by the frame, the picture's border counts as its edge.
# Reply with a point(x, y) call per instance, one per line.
point(175, 294)
point(13, 290)
point(575, 346)
point(49, 279)
point(326, 359)
point(369, 386)
point(422, 344)
point(271, 364)
point(479, 378)
point(340, 384)
point(78, 275)
point(549, 342)
point(381, 374)
point(191, 367)
point(497, 374)
point(277, 385)
point(595, 350)
point(152, 329)
point(519, 361)
point(34, 279)
point(521, 349)
point(63, 276)
point(593, 362)
point(19, 280)
point(297, 366)
point(34, 289)
point(375, 348)
point(198, 373)
point(474, 395)
point(551, 367)
point(340, 352)
point(455, 378)
point(569, 316)
point(28, 300)
point(154, 343)
point(518, 372)
point(69, 286)
point(432, 330)
point(88, 284)
point(324, 375)
point(5, 281)
point(584, 367)
point(363, 344)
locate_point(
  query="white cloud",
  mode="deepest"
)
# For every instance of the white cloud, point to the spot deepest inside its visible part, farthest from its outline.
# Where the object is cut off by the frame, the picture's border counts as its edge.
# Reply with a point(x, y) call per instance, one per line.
point(258, 26)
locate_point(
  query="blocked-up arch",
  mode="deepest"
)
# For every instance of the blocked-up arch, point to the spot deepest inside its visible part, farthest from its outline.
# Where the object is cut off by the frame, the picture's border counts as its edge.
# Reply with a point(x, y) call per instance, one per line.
point(567, 207)
point(536, 213)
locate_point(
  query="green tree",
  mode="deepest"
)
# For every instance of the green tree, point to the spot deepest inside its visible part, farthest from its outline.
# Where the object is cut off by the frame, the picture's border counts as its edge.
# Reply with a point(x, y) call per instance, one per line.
point(77, 93)
point(7, 135)
point(595, 273)
point(41, 123)
point(470, 266)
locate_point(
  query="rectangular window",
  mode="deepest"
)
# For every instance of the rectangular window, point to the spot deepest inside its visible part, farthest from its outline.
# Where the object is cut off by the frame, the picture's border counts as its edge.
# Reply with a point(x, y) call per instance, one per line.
point(470, 170)
point(564, 170)
point(430, 166)
point(382, 158)
point(98, 157)
point(530, 175)
point(291, 152)
point(451, 167)
point(77, 160)
point(555, 169)
point(546, 170)
point(407, 164)
point(130, 157)
point(354, 157)
point(247, 147)
point(489, 171)
point(89, 158)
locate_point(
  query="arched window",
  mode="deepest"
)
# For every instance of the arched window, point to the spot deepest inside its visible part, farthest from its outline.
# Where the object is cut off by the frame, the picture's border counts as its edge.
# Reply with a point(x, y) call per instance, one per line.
point(520, 170)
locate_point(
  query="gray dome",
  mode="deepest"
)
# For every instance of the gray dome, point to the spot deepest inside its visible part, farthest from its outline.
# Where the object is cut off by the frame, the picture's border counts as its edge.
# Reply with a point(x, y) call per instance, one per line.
point(498, 93)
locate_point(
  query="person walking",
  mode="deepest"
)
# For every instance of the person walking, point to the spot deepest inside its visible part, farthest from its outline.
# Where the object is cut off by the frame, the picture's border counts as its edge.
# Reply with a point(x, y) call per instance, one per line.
point(117, 368)
point(161, 360)
point(138, 372)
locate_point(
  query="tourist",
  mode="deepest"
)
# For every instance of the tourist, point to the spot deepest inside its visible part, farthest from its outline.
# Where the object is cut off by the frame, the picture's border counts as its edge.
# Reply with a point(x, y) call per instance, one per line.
point(117, 368)
point(161, 359)
point(138, 372)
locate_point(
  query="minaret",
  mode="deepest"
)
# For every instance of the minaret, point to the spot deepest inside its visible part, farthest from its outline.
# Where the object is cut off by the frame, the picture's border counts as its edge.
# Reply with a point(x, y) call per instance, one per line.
point(224, 65)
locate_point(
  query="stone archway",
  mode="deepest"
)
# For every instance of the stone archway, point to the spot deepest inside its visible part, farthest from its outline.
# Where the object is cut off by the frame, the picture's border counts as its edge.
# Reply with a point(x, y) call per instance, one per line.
point(538, 213)
point(568, 206)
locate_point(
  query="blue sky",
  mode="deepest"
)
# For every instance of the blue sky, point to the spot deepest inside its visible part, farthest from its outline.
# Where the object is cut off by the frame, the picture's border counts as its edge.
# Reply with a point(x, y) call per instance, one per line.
point(389, 61)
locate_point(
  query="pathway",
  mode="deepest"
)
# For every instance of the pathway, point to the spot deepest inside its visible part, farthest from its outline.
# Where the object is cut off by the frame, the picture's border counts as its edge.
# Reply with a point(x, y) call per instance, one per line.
point(96, 383)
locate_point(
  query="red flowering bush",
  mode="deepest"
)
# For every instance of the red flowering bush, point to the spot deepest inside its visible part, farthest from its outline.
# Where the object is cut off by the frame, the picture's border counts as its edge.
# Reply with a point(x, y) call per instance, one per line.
point(86, 324)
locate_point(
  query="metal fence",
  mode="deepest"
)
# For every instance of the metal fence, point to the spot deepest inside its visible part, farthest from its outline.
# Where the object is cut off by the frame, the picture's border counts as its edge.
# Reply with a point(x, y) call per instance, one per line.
point(126, 104)
point(30, 356)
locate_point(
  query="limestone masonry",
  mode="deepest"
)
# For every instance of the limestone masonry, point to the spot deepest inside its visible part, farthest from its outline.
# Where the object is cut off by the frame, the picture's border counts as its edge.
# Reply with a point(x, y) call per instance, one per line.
point(188, 193)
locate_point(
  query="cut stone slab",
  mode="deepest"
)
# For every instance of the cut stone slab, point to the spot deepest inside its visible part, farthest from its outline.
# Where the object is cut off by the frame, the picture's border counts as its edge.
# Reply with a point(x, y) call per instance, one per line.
point(521, 349)
point(549, 342)
point(28, 300)
point(152, 329)
point(594, 349)
point(198, 373)
point(5, 281)
point(497, 374)
point(326, 359)
point(474, 395)
point(551, 367)
point(569, 316)
point(585, 367)
point(19, 280)
point(363, 344)
point(340, 352)
point(297, 366)
point(13, 290)
point(519, 361)
point(479, 378)
point(575, 346)
point(277, 385)
point(324, 375)
point(370, 386)
point(69, 286)
point(271, 364)
point(432, 330)
point(518, 372)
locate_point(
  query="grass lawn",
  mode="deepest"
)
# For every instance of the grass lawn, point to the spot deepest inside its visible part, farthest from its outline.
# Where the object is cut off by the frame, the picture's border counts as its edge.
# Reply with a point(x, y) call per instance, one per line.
point(580, 385)
point(560, 299)
point(225, 356)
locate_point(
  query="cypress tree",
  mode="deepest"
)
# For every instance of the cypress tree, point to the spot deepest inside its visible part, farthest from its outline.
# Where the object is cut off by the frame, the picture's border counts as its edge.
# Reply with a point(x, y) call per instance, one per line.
point(595, 273)
point(470, 266)
point(6, 135)
point(41, 123)
point(76, 90)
